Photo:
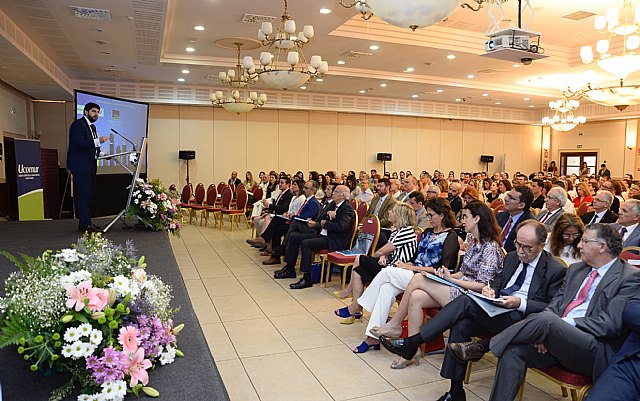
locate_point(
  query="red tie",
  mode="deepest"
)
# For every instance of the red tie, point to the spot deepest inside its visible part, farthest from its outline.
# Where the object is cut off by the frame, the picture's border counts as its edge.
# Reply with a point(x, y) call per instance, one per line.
point(545, 217)
point(582, 295)
point(505, 232)
point(301, 207)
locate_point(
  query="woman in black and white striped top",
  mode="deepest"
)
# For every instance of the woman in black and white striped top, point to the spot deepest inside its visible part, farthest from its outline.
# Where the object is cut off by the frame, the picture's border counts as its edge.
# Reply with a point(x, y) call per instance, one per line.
point(401, 247)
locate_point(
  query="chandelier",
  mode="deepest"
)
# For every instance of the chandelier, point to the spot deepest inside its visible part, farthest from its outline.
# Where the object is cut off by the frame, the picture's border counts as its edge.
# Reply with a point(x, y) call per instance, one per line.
point(563, 119)
point(283, 65)
point(621, 27)
point(411, 14)
point(237, 79)
point(619, 96)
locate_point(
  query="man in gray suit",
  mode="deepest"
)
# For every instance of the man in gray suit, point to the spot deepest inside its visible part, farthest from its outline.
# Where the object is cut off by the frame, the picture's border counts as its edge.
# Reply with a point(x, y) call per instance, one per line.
point(628, 223)
point(416, 201)
point(556, 198)
point(582, 328)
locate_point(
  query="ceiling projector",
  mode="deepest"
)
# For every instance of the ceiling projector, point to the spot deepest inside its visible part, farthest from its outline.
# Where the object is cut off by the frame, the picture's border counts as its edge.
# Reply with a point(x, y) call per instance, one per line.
point(515, 45)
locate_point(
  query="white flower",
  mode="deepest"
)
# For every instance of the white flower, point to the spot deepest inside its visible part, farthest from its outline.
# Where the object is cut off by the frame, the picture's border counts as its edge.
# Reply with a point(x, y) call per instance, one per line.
point(68, 255)
point(77, 350)
point(66, 280)
point(87, 349)
point(67, 350)
point(136, 201)
point(96, 337)
point(81, 275)
point(91, 397)
point(139, 274)
point(115, 390)
point(84, 329)
point(72, 334)
point(120, 284)
point(169, 356)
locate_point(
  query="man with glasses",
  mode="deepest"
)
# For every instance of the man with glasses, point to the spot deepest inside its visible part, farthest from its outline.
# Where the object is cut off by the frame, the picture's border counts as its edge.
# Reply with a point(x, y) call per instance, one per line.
point(628, 220)
point(416, 201)
point(555, 200)
point(433, 191)
point(516, 205)
point(582, 327)
point(530, 279)
point(607, 185)
point(601, 214)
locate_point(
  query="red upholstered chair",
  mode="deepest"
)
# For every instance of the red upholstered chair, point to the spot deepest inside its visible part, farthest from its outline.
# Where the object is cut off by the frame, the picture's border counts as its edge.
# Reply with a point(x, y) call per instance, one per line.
point(631, 254)
point(234, 213)
point(185, 199)
point(202, 207)
point(324, 252)
point(220, 189)
point(498, 209)
point(578, 385)
point(210, 206)
point(361, 211)
point(583, 208)
point(496, 202)
point(371, 226)
point(354, 203)
point(197, 203)
point(257, 194)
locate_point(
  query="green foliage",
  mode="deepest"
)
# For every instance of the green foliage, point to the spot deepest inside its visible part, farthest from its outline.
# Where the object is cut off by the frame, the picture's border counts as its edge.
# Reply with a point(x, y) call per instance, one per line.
point(13, 329)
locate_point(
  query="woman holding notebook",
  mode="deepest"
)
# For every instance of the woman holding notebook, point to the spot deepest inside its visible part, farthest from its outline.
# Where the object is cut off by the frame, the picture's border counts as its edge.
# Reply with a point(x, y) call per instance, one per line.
point(481, 262)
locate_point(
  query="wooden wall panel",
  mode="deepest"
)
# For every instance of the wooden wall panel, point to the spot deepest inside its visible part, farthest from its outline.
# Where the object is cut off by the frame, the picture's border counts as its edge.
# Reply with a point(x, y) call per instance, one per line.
point(323, 141)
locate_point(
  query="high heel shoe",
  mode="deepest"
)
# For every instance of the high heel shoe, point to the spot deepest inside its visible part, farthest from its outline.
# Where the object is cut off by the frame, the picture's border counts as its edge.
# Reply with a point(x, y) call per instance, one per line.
point(364, 347)
point(403, 363)
point(391, 332)
point(337, 295)
point(348, 318)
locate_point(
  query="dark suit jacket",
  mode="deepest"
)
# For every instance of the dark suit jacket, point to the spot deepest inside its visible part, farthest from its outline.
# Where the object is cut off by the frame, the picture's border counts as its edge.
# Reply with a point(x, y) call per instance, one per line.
point(235, 183)
point(456, 204)
point(603, 319)
point(609, 217)
point(81, 156)
point(310, 209)
point(633, 239)
point(383, 215)
point(538, 203)
point(545, 283)
point(339, 230)
point(503, 218)
point(282, 206)
point(631, 318)
point(604, 172)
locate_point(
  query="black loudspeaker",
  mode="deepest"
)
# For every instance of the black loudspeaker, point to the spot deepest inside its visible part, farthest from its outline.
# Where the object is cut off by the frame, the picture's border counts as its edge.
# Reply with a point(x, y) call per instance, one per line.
point(187, 154)
point(486, 159)
point(384, 157)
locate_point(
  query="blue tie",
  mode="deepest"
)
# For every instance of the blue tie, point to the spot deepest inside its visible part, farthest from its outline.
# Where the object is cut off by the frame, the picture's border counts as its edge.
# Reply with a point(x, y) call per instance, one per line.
point(518, 284)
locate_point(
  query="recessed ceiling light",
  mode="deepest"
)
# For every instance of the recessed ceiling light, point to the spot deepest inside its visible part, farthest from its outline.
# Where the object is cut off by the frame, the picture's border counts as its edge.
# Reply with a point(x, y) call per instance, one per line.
point(374, 47)
point(526, 99)
point(105, 52)
point(414, 96)
point(341, 62)
point(303, 87)
point(531, 106)
point(458, 100)
point(198, 28)
point(439, 90)
point(517, 65)
point(190, 49)
point(180, 79)
point(485, 94)
point(451, 56)
point(471, 76)
point(383, 85)
point(185, 71)
point(325, 11)
point(362, 91)
point(97, 29)
point(319, 80)
point(498, 103)
point(409, 69)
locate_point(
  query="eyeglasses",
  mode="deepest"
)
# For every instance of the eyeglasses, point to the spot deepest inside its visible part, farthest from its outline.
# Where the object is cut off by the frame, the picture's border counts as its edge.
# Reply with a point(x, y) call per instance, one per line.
point(586, 240)
point(526, 248)
point(431, 215)
point(305, 187)
point(567, 235)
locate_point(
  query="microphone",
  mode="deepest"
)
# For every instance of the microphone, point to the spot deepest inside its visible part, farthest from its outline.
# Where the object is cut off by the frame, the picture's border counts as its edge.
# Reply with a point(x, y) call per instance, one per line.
point(123, 137)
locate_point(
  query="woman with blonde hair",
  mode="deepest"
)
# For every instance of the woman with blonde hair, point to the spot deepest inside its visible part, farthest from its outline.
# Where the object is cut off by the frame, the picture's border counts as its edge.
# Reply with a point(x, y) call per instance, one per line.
point(444, 187)
point(582, 190)
point(565, 237)
point(399, 249)
point(248, 180)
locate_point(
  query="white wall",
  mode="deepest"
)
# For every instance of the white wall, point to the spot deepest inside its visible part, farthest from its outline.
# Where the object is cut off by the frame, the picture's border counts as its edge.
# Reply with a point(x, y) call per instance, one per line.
point(14, 118)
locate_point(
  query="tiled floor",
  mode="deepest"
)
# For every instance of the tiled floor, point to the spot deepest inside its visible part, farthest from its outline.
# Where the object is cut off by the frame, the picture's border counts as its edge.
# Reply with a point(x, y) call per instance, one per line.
point(272, 343)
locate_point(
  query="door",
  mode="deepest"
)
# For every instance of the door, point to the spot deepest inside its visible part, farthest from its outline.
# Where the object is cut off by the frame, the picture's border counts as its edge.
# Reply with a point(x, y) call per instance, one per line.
point(571, 162)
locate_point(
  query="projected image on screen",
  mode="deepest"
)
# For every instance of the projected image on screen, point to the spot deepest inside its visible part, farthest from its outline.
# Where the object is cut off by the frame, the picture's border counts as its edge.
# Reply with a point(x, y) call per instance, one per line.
point(117, 116)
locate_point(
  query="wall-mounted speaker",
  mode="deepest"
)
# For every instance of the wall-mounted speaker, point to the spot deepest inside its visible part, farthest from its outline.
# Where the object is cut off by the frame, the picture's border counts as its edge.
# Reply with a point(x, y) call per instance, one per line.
point(486, 159)
point(187, 154)
point(384, 157)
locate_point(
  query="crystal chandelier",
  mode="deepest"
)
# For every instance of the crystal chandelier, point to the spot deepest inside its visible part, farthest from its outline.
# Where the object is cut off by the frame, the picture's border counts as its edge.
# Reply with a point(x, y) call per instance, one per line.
point(563, 119)
point(623, 31)
point(619, 96)
point(283, 65)
point(237, 79)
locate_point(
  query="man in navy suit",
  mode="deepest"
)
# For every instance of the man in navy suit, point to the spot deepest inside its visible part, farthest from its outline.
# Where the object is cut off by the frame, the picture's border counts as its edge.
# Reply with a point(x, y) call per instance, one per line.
point(84, 148)
point(516, 205)
point(621, 380)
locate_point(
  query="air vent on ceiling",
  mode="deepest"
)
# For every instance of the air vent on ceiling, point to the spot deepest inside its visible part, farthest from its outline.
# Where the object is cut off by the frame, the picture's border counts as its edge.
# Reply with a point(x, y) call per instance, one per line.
point(354, 54)
point(211, 76)
point(112, 70)
point(91, 13)
point(490, 71)
point(578, 15)
point(253, 19)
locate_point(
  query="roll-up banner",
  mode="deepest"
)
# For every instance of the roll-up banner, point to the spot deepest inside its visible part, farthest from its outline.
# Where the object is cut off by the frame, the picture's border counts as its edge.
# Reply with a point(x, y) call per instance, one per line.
point(28, 173)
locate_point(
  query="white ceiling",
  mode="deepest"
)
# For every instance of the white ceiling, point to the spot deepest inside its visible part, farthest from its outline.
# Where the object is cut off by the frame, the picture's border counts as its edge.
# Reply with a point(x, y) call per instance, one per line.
point(145, 41)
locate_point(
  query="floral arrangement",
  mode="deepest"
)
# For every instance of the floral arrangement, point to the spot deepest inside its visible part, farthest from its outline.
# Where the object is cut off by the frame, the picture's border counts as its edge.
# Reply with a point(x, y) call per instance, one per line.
point(93, 311)
point(154, 207)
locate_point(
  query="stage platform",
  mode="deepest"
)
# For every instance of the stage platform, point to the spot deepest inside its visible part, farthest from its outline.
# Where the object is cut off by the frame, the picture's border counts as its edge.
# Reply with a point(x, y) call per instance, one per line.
point(194, 377)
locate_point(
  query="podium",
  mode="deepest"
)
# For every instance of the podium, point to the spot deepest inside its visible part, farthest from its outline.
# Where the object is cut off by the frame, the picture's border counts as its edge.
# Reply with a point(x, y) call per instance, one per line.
point(135, 157)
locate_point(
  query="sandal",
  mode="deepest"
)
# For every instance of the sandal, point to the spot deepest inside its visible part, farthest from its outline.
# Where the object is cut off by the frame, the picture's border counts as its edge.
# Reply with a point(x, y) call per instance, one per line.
point(364, 347)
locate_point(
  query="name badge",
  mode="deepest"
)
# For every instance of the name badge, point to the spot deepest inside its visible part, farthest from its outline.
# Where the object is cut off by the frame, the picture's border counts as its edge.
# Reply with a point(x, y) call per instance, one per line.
point(96, 142)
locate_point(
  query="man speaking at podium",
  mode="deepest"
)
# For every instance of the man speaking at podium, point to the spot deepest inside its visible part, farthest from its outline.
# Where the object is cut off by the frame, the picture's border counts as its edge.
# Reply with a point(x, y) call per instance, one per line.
point(84, 149)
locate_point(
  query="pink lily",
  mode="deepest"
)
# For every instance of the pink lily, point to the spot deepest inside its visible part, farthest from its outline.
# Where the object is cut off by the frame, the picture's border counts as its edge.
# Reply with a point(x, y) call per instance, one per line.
point(98, 299)
point(137, 368)
point(78, 295)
